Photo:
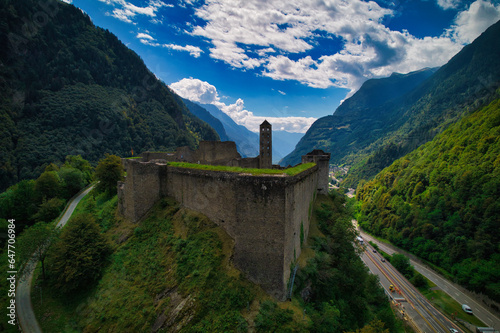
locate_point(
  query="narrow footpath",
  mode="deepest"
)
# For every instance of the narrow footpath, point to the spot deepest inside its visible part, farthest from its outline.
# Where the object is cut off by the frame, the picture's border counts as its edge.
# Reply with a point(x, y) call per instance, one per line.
point(25, 314)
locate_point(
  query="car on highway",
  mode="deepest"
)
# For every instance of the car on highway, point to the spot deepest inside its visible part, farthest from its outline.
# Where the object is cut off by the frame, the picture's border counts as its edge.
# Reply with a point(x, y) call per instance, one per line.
point(374, 251)
point(383, 260)
point(452, 330)
point(467, 309)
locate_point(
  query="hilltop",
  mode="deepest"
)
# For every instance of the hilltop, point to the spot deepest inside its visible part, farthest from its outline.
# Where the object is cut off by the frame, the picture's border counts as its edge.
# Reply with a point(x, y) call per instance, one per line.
point(68, 87)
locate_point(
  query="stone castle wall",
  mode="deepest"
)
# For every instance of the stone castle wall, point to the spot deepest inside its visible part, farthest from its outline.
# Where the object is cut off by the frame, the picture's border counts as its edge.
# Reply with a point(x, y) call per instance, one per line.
point(299, 202)
point(208, 152)
point(322, 160)
point(263, 214)
point(268, 216)
point(142, 188)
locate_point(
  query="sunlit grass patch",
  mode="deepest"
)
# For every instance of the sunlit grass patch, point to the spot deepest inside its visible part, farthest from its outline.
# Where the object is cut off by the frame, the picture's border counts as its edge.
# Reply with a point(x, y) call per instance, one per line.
point(252, 171)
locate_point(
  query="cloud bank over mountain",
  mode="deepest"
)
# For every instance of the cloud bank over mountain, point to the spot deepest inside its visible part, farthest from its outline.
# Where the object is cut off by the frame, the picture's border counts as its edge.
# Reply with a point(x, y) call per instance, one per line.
point(305, 50)
point(205, 93)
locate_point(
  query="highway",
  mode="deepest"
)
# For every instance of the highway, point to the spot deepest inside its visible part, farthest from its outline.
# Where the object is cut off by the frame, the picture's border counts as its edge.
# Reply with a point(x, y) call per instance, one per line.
point(423, 315)
point(456, 292)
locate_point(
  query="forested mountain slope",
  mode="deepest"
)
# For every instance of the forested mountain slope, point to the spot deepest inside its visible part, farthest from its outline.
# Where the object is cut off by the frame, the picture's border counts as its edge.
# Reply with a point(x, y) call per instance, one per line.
point(246, 140)
point(442, 201)
point(69, 87)
point(369, 133)
point(351, 127)
point(207, 117)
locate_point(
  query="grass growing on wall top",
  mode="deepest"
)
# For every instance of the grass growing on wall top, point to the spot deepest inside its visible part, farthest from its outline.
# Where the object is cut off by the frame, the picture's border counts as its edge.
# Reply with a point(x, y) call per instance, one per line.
point(255, 172)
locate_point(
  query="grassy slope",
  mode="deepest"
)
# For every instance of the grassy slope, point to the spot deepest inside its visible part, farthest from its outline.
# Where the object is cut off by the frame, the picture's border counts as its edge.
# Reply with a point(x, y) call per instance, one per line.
point(451, 187)
point(170, 272)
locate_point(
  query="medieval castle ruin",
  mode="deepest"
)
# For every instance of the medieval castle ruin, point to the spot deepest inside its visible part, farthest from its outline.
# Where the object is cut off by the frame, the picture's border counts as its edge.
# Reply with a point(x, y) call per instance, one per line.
point(266, 215)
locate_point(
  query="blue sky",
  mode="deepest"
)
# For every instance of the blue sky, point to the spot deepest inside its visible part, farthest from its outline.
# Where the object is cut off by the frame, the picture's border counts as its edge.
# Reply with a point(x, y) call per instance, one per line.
point(292, 61)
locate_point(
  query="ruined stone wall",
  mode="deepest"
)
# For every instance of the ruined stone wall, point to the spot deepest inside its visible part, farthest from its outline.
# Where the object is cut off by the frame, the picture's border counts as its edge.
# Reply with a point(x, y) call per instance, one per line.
point(141, 189)
point(216, 152)
point(323, 174)
point(262, 214)
point(208, 152)
point(148, 156)
point(249, 162)
point(322, 160)
point(299, 201)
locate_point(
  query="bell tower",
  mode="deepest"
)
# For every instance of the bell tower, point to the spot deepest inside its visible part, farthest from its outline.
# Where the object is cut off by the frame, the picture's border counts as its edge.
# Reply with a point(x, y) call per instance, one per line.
point(266, 146)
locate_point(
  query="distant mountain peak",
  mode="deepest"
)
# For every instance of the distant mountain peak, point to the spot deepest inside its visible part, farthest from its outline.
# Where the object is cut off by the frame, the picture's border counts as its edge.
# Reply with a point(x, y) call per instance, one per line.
point(425, 69)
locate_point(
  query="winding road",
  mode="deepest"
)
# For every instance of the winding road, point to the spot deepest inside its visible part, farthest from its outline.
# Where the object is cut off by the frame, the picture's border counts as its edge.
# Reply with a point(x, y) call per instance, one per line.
point(25, 314)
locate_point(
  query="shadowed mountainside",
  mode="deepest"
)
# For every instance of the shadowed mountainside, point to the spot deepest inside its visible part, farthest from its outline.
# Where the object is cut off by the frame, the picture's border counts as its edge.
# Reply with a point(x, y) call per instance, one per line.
point(69, 87)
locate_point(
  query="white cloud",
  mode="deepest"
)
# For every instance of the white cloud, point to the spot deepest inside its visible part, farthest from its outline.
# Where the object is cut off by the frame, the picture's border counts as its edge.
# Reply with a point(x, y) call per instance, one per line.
point(142, 35)
point(195, 51)
point(126, 11)
point(205, 93)
point(147, 39)
point(448, 4)
point(233, 55)
point(470, 23)
point(371, 56)
point(67, 1)
point(196, 90)
point(275, 25)
point(262, 34)
point(273, 37)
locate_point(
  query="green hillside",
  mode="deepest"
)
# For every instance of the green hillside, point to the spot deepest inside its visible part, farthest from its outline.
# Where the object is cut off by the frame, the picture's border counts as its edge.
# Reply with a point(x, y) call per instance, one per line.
point(442, 201)
point(173, 273)
point(382, 122)
point(351, 128)
point(68, 87)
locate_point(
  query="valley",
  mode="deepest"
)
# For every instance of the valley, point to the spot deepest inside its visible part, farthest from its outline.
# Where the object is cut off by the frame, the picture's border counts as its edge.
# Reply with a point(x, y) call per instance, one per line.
point(135, 209)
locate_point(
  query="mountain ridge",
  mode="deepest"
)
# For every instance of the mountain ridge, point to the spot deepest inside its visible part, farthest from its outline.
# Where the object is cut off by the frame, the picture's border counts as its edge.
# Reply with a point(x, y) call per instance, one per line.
point(69, 87)
point(369, 144)
point(357, 109)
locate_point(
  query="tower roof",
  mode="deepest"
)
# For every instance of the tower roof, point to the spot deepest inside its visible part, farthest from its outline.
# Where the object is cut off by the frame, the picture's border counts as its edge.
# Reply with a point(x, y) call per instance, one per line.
point(265, 123)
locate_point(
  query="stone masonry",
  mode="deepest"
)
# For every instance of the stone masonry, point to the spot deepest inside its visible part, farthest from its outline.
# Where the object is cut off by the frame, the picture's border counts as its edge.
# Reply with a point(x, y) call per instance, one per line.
point(265, 215)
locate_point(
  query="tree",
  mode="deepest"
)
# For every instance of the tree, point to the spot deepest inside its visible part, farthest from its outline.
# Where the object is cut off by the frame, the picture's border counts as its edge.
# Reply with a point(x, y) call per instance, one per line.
point(49, 210)
point(34, 242)
point(108, 172)
point(80, 254)
point(73, 181)
point(271, 318)
point(376, 326)
point(47, 185)
point(402, 264)
point(81, 164)
point(419, 281)
point(19, 201)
